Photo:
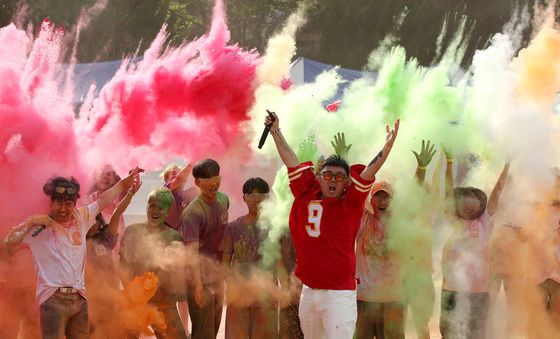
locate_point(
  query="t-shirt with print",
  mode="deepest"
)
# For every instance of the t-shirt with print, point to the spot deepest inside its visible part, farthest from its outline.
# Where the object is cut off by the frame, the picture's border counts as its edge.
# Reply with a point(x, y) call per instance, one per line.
point(465, 256)
point(59, 253)
point(242, 240)
point(99, 249)
point(324, 229)
point(377, 266)
point(182, 198)
point(145, 250)
point(205, 223)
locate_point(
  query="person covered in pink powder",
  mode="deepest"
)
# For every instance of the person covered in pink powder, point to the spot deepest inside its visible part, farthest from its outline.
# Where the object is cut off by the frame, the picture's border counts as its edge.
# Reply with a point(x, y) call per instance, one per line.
point(103, 180)
point(380, 292)
point(465, 258)
point(59, 253)
point(102, 278)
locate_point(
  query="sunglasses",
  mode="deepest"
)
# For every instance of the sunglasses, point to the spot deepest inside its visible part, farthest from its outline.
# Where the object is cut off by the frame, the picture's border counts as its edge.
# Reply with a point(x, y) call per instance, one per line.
point(338, 177)
point(65, 189)
point(255, 196)
point(214, 180)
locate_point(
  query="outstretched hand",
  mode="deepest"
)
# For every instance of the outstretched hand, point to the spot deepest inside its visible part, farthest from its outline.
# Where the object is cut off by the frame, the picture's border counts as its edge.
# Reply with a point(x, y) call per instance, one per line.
point(427, 152)
point(339, 145)
point(133, 175)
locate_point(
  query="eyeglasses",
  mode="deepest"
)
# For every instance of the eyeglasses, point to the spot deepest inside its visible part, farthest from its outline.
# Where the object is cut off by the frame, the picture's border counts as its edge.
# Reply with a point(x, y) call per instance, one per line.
point(214, 180)
point(338, 177)
point(65, 189)
point(255, 196)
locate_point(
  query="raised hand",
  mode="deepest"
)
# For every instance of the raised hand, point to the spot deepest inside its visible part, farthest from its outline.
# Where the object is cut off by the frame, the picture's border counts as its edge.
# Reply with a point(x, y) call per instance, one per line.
point(392, 133)
point(273, 124)
point(339, 145)
point(447, 151)
point(427, 152)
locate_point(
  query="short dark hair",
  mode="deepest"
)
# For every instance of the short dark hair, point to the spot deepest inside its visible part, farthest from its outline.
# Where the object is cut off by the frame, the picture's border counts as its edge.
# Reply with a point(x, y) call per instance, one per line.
point(255, 183)
point(338, 161)
point(61, 188)
point(462, 192)
point(205, 169)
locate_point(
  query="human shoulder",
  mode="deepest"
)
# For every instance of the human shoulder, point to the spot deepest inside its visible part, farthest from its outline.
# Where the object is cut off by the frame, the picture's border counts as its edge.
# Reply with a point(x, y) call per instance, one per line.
point(223, 199)
point(171, 234)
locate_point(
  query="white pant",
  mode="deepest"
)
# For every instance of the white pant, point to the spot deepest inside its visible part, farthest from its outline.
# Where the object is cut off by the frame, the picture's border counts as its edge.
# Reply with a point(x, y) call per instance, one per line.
point(328, 312)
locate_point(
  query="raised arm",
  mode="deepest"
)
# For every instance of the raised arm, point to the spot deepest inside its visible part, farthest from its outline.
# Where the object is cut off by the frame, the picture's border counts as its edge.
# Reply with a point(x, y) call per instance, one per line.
point(113, 228)
point(449, 186)
point(374, 166)
point(288, 156)
point(494, 199)
point(423, 159)
point(107, 197)
point(16, 234)
point(181, 178)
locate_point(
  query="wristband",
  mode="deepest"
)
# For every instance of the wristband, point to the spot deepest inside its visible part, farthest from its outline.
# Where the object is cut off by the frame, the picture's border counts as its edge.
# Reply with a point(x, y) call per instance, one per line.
point(276, 131)
point(421, 167)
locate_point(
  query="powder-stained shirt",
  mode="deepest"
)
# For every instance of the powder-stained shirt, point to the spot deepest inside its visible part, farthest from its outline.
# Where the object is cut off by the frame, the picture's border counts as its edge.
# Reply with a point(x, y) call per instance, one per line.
point(465, 256)
point(377, 266)
point(324, 229)
point(99, 248)
point(59, 253)
point(242, 240)
point(205, 223)
point(146, 250)
point(182, 198)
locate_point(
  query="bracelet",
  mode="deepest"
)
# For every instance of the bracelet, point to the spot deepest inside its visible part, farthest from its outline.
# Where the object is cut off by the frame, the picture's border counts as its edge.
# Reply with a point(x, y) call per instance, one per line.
point(449, 161)
point(276, 131)
point(421, 167)
point(129, 192)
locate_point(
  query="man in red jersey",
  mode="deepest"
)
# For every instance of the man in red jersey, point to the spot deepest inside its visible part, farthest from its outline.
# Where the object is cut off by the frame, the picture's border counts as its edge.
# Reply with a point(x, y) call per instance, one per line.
point(324, 220)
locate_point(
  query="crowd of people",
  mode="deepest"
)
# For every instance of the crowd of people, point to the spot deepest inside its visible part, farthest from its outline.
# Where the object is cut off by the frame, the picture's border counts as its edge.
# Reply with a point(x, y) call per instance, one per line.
point(339, 273)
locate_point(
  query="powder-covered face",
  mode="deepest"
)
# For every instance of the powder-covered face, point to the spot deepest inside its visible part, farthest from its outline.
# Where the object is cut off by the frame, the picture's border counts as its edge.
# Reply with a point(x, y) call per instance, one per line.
point(61, 210)
point(209, 187)
point(254, 199)
point(468, 207)
point(156, 211)
point(107, 178)
point(381, 200)
point(172, 174)
point(333, 188)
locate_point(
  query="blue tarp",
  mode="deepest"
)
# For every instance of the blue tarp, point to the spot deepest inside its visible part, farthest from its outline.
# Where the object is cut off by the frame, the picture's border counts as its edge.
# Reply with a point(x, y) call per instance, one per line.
point(302, 71)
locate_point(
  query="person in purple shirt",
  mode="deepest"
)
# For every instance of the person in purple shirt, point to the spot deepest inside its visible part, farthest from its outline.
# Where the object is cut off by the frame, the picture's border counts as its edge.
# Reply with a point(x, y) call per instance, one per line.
point(240, 248)
point(101, 273)
point(204, 222)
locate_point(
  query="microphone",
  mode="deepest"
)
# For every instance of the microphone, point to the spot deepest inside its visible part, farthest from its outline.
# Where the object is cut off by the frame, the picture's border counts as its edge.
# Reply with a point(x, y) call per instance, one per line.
point(38, 230)
point(266, 130)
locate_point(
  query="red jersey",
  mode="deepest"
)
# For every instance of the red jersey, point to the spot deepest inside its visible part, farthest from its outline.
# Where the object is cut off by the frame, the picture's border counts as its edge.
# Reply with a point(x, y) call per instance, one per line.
point(324, 230)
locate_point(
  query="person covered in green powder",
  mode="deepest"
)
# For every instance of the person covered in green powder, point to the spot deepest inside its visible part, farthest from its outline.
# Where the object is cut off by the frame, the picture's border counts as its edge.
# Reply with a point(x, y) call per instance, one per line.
point(465, 258)
point(417, 266)
point(240, 248)
point(141, 249)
